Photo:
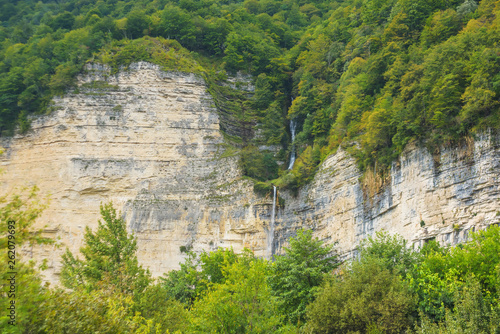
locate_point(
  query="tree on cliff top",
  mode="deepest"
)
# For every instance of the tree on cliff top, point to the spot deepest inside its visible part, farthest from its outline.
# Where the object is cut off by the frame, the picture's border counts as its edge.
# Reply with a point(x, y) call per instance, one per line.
point(110, 259)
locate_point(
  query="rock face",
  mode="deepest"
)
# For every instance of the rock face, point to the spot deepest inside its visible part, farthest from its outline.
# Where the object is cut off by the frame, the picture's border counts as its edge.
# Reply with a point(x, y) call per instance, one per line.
point(428, 197)
point(150, 141)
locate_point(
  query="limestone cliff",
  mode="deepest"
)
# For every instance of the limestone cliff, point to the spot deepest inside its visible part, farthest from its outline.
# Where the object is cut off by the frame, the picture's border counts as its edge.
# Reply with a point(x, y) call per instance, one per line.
point(150, 141)
point(427, 197)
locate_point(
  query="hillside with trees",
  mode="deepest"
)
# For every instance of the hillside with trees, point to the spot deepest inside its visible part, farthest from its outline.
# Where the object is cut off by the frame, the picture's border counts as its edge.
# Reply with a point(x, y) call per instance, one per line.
point(370, 75)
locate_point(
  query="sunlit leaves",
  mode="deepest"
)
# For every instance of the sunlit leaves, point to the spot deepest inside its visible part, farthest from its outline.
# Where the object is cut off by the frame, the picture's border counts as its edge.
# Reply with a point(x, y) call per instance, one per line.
point(297, 274)
point(109, 259)
point(241, 304)
point(367, 298)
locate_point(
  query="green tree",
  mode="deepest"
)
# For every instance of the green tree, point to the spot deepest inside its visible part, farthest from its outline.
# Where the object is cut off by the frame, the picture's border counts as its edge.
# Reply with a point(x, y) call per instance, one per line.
point(137, 24)
point(213, 264)
point(157, 305)
point(367, 298)
point(472, 314)
point(30, 294)
point(11, 86)
point(443, 273)
point(176, 24)
point(109, 258)
point(197, 274)
point(214, 35)
point(183, 284)
point(241, 304)
point(257, 164)
point(64, 20)
point(440, 26)
point(297, 274)
point(392, 251)
point(81, 312)
point(23, 209)
point(273, 128)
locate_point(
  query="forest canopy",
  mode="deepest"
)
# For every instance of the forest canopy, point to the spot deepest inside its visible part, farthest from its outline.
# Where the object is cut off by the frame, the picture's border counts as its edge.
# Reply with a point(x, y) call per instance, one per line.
point(370, 75)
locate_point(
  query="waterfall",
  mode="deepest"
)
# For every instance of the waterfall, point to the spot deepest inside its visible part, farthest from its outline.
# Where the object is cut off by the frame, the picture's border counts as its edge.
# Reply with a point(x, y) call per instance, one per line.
point(270, 238)
point(293, 129)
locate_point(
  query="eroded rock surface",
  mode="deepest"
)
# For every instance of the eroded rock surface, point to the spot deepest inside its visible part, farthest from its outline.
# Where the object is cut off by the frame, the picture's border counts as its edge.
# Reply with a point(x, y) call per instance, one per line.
point(150, 141)
point(428, 197)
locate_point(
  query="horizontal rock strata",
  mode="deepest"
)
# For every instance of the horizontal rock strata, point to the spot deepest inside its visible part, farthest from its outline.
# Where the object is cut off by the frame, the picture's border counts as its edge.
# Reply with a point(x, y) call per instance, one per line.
point(150, 141)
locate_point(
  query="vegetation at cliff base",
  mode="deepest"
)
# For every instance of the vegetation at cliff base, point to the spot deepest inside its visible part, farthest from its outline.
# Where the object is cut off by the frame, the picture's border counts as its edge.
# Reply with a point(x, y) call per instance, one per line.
point(388, 288)
point(365, 76)
point(369, 75)
point(109, 255)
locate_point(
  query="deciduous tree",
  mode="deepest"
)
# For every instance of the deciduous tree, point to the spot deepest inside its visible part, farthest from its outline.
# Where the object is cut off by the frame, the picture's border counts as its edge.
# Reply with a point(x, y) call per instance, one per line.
point(109, 258)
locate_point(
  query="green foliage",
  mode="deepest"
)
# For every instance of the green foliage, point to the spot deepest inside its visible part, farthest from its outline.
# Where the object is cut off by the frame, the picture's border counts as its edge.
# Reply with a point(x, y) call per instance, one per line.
point(303, 168)
point(176, 24)
point(273, 127)
point(183, 284)
point(63, 78)
point(23, 209)
point(197, 274)
point(480, 256)
point(372, 75)
point(64, 20)
point(94, 312)
point(166, 313)
point(440, 27)
point(137, 24)
point(369, 295)
point(455, 290)
point(249, 51)
point(298, 273)
point(470, 315)
point(108, 309)
point(242, 303)
point(213, 264)
point(257, 164)
point(169, 54)
point(407, 78)
point(380, 73)
point(109, 259)
point(443, 273)
point(367, 298)
point(263, 188)
point(391, 251)
point(29, 295)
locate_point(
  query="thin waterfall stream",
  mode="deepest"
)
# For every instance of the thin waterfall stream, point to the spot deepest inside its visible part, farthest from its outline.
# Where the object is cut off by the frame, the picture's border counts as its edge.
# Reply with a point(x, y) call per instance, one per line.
point(270, 239)
point(293, 129)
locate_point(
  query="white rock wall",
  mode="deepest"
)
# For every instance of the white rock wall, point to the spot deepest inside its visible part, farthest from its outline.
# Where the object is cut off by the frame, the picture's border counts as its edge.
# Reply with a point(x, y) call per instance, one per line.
point(150, 142)
point(442, 197)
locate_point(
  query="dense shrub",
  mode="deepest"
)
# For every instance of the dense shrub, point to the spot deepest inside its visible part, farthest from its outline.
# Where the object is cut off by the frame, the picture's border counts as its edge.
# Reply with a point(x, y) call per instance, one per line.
point(367, 298)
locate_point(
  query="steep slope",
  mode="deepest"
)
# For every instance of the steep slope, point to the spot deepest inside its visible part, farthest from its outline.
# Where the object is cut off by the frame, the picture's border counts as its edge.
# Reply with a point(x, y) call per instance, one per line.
point(150, 141)
point(427, 197)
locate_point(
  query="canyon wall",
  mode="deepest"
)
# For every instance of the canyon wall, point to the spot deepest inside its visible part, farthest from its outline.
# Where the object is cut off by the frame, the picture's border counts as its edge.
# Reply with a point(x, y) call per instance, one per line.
point(150, 142)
